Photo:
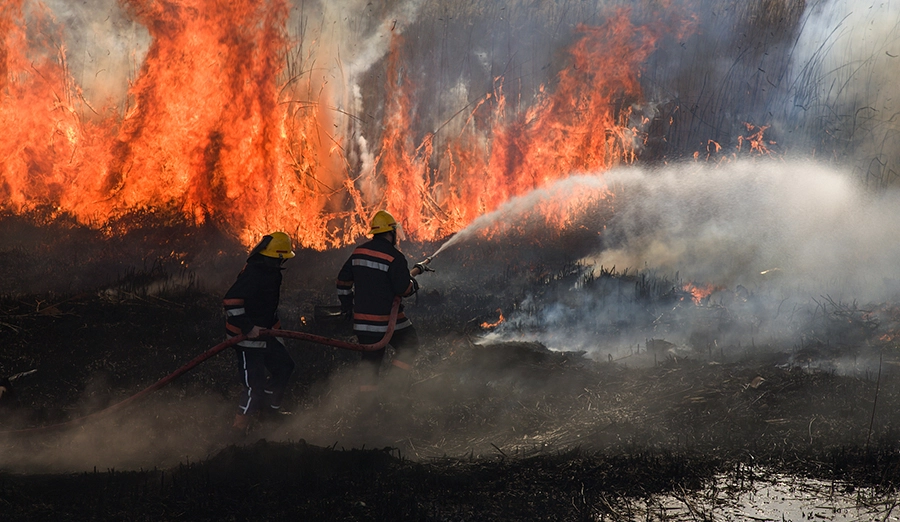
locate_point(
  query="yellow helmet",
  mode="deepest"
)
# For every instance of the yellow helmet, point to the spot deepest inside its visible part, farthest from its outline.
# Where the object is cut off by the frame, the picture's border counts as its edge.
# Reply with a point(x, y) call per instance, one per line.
point(276, 244)
point(382, 222)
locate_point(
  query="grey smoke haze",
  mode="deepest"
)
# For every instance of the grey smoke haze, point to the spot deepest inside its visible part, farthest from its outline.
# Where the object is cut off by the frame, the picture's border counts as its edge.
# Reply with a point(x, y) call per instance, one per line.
point(846, 81)
point(788, 233)
point(727, 224)
point(104, 48)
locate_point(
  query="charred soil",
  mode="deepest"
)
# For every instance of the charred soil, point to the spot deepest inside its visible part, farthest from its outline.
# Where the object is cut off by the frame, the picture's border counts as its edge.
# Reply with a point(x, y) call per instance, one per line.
point(502, 430)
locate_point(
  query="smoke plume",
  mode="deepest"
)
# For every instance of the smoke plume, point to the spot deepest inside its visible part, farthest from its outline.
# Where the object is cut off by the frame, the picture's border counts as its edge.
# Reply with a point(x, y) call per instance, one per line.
point(762, 236)
point(726, 225)
point(845, 82)
point(104, 48)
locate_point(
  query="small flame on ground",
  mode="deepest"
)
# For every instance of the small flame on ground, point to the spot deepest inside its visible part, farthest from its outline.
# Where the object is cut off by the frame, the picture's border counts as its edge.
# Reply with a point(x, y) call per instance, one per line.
point(699, 292)
point(754, 144)
point(496, 323)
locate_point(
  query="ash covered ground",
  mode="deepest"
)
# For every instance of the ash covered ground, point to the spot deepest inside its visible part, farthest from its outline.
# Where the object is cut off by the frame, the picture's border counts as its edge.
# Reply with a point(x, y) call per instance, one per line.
point(602, 394)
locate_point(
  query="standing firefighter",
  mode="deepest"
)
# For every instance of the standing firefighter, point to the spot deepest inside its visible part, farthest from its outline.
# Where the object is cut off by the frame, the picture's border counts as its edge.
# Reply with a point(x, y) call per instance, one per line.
point(251, 304)
point(374, 275)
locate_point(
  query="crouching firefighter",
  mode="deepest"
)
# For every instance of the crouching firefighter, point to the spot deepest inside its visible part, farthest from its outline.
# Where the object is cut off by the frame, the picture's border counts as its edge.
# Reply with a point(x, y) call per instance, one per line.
point(369, 281)
point(251, 304)
point(7, 394)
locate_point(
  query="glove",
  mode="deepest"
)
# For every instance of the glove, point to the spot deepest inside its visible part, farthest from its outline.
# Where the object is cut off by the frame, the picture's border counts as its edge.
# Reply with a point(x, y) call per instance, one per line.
point(414, 289)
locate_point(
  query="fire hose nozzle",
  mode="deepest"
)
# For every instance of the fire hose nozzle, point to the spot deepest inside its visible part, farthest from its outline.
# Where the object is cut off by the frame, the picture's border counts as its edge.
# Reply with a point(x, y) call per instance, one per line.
point(422, 266)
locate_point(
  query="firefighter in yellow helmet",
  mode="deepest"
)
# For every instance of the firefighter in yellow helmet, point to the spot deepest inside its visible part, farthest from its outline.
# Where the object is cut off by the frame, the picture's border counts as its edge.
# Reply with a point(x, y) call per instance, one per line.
point(374, 274)
point(251, 304)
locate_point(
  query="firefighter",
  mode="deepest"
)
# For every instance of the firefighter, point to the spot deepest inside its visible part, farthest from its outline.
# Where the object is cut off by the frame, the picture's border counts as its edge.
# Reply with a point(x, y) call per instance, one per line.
point(251, 304)
point(374, 274)
point(7, 394)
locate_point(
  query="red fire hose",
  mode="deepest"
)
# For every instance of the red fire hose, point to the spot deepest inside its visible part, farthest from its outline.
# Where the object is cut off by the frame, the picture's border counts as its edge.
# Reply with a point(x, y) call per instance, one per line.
point(215, 350)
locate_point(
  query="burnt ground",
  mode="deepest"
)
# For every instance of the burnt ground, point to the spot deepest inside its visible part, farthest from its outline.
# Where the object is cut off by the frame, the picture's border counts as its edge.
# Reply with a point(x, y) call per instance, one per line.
point(486, 430)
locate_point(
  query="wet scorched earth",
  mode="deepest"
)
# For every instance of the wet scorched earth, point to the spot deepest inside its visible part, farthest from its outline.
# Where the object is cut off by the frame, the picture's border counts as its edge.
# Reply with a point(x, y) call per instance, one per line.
point(486, 430)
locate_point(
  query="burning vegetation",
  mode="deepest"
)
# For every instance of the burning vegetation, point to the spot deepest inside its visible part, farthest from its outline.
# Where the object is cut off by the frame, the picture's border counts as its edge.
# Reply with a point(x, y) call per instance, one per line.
point(230, 113)
point(664, 236)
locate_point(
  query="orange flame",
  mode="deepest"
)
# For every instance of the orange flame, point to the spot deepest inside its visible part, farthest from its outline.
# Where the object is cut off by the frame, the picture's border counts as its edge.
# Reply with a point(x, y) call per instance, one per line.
point(210, 133)
point(756, 145)
point(583, 126)
point(494, 324)
point(699, 292)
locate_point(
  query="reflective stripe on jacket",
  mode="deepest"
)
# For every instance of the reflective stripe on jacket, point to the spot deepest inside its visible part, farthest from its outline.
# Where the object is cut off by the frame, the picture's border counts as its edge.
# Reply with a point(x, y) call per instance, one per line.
point(372, 276)
point(253, 300)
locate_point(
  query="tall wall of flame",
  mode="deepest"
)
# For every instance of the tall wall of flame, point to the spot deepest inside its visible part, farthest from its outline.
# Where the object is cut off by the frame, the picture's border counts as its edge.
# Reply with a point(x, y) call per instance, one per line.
point(308, 116)
point(221, 124)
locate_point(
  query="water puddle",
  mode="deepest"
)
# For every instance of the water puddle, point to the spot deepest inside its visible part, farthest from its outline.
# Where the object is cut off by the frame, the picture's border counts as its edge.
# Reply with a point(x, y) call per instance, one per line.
point(776, 498)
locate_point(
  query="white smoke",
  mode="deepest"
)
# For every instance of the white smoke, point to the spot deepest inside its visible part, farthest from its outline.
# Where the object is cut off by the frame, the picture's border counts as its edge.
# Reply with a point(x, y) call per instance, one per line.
point(725, 225)
point(341, 42)
point(787, 232)
point(104, 48)
point(347, 38)
point(847, 79)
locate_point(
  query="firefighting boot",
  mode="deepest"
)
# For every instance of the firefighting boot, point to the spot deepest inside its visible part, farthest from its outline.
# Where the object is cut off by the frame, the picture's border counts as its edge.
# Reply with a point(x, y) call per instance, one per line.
point(241, 424)
point(399, 378)
point(272, 407)
point(274, 416)
point(367, 396)
point(368, 392)
point(366, 407)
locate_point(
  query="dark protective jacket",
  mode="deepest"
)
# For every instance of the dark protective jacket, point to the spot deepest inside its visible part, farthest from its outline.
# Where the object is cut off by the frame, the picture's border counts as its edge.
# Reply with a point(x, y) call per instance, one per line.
point(369, 281)
point(7, 394)
point(253, 299)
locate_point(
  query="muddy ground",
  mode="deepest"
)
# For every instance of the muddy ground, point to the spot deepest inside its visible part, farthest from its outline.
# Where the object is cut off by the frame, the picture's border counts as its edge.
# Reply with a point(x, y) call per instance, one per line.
point(502, 429)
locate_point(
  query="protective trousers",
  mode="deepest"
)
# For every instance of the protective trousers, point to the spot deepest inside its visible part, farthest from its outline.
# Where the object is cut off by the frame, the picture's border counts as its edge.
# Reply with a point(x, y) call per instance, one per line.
point(406, 346)
point(264, 372)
